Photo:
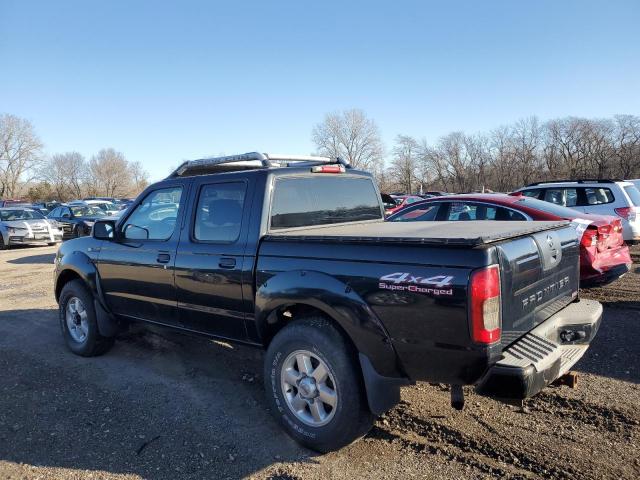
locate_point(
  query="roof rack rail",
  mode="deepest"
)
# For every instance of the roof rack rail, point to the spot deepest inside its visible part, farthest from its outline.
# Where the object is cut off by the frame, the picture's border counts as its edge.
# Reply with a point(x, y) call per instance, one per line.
point(250, 160)
point(581, 180)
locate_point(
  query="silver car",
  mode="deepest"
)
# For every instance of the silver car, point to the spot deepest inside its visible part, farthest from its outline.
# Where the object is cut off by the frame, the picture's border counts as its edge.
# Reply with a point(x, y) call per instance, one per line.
point(21, 225)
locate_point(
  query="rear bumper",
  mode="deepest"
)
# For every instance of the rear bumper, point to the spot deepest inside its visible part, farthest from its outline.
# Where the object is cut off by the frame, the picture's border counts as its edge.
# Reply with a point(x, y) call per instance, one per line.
point(606, 277)
point(544, 354)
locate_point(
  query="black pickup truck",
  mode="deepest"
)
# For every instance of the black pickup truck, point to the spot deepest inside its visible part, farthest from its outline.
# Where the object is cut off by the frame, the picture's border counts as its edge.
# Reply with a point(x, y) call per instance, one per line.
point(293, 255)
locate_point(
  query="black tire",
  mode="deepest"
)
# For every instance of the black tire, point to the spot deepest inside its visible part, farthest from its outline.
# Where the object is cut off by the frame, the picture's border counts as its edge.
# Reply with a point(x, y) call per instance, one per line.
point(352, 418)
point(93, 344)
point(3, 246)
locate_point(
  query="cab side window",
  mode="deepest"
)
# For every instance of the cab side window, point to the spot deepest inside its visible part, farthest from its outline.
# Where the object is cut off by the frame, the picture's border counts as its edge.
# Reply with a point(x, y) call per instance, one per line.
point(155, 217)
point(219, 212)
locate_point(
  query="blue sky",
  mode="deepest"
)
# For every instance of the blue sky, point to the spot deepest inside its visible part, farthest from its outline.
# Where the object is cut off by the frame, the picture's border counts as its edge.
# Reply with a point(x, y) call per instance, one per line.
point(163, 82)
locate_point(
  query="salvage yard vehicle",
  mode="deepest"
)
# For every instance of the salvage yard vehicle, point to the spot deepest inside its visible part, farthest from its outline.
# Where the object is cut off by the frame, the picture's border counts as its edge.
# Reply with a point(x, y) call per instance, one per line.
point(603, 255)
point(292, 254)
point(76, 220)
point(618, 198)
point(23, 226)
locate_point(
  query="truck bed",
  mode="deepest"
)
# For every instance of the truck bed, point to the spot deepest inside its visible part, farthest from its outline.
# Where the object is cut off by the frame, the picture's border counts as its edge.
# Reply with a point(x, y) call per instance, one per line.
point(467, 233)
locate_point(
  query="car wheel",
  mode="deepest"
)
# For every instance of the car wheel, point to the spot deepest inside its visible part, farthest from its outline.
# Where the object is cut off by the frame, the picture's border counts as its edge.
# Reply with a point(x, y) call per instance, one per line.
point(3, 246)
point(78, 321)
point(314, 385)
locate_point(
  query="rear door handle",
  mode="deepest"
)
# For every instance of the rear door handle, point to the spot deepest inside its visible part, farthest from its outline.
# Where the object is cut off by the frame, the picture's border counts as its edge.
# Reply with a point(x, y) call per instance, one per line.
point(163, 258)
point(227, 262)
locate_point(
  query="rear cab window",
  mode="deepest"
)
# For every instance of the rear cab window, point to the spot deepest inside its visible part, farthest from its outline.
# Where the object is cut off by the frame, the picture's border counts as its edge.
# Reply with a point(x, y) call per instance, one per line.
point(304, 201)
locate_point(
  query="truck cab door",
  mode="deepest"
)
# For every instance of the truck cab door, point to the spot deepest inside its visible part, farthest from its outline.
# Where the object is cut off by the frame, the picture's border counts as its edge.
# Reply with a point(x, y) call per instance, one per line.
point(137, 268)
point(211, 265)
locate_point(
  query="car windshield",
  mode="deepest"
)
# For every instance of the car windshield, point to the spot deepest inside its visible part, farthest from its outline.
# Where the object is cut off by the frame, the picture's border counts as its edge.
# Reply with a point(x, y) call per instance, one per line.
point(83, 211)
point(634, 194)
point(548, 207)
point(19, 214)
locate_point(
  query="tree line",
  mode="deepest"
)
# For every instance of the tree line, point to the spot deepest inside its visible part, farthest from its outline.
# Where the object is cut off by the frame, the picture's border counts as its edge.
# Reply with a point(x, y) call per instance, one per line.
point(27, 172)
point(500, 160)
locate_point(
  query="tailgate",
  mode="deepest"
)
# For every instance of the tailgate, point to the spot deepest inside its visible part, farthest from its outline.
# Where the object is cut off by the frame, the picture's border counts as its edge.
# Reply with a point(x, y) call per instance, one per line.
point(540, 276)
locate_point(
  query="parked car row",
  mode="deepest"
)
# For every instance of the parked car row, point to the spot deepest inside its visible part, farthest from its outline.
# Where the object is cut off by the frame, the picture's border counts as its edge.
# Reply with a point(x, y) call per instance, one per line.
point(605, 212)
point(24, 223)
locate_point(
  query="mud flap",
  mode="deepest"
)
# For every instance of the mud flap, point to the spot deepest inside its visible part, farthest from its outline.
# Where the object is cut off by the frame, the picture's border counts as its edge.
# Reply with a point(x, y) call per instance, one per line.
point(383, 393)
point(108, 326)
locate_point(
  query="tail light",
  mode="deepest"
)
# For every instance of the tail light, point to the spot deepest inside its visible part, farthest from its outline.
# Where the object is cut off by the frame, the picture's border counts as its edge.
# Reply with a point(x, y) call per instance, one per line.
point(617, 226)
point(589, 237)
point(328, 169)
point(628, 213)
point(484, 288)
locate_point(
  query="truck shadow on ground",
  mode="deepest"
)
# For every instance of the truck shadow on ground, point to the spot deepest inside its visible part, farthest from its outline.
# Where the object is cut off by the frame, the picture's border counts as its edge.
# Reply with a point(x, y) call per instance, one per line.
point(42, 259)
point(160, 404)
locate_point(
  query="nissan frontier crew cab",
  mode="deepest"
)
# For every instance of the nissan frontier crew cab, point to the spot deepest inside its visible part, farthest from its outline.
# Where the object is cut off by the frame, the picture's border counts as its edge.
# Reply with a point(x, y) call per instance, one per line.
point(292, 254)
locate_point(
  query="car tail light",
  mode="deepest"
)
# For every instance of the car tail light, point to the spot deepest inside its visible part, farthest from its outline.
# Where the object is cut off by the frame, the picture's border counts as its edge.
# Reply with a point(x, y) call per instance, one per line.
point(589, 237)
point(628, 213)
point(484, 288)
point(328, 169)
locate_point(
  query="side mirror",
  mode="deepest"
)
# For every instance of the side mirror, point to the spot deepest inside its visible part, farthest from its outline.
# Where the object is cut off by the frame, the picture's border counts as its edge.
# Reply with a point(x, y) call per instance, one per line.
point(134, 232)
point(66, 215)
point(104, 230)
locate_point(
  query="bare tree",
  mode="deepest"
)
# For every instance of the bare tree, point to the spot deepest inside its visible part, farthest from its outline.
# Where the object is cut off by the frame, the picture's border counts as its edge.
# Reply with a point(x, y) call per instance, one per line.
point(110, 171)
point(20, 150)
point(65, 173)
point(352, 136)
point(139, 176)
point(404, 165)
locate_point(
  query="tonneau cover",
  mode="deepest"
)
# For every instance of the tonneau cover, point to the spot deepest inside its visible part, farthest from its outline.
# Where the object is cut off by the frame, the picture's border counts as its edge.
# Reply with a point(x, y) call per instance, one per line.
point(463, 233)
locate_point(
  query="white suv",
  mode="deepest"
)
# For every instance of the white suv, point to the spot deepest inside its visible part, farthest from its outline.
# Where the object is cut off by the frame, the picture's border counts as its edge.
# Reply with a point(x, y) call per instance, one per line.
point(603, 197)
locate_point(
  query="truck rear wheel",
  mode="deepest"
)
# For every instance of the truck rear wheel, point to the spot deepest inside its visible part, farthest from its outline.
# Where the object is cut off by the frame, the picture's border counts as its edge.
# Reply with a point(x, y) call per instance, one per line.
point(314, 385)
point(78, 321)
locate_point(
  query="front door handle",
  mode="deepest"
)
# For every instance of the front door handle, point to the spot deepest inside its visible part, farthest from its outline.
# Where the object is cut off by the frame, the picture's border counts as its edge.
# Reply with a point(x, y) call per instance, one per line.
point(163, 258)
point(227, 262)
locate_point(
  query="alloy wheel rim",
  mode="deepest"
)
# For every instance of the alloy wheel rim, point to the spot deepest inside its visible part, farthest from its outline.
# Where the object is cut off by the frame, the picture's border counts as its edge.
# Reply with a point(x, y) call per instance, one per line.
point(309, 388)
point(76, 319)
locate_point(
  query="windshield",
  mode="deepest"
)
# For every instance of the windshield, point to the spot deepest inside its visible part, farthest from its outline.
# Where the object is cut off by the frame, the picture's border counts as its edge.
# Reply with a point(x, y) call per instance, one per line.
point(548, 207)
point(634, 194)
point(323, 200)
point(83, 211)
point(19, 214)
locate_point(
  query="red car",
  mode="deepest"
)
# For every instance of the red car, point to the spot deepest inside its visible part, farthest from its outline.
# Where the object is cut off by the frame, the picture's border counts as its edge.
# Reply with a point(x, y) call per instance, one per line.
point(603, 254)
point(401, 201)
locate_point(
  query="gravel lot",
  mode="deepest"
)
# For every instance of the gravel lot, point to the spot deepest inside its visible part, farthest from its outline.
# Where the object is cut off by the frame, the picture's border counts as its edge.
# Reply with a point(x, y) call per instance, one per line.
point(166, 405)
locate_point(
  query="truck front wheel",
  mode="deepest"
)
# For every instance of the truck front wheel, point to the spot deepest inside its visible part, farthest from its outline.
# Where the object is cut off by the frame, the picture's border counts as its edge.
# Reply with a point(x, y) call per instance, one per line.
point(78, 321)
point(314, 385)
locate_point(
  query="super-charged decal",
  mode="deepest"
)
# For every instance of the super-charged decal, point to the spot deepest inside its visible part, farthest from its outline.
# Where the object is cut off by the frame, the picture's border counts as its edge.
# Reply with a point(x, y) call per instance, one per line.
point(407, 282)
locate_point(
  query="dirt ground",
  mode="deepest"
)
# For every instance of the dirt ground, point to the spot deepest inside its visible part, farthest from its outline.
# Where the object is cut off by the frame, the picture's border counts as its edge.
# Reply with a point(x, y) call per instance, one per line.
point(169, 406)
